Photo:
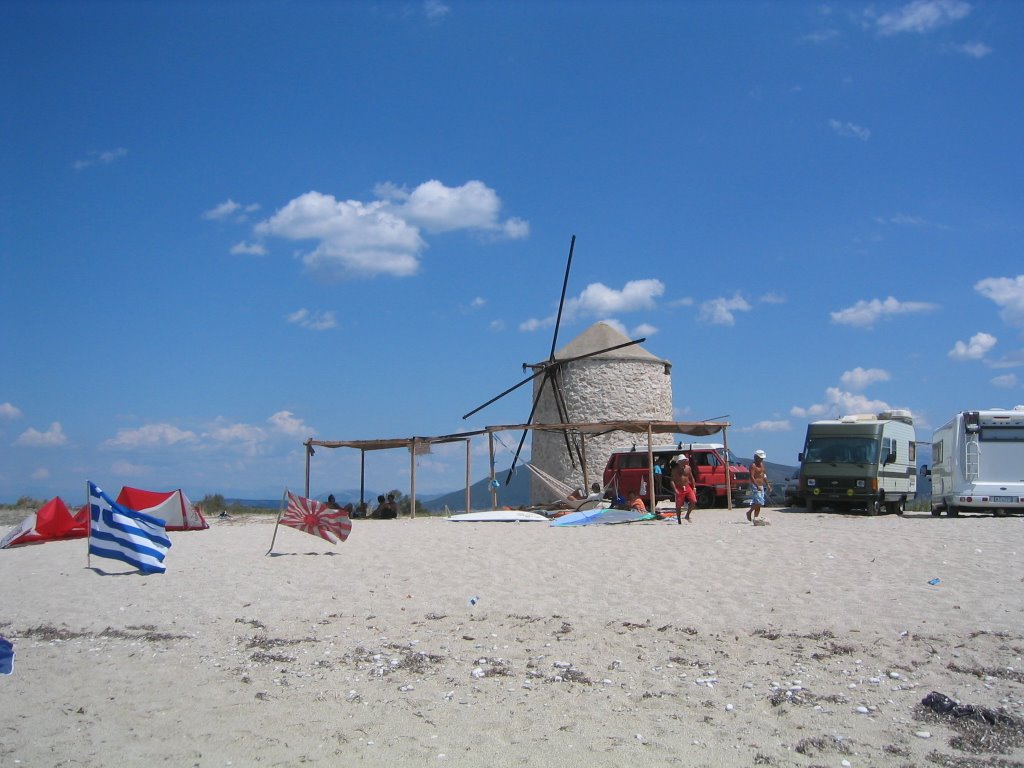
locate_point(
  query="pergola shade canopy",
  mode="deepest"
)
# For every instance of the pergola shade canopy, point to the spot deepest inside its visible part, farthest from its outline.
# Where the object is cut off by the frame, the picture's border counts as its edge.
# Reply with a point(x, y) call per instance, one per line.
point(650, 428)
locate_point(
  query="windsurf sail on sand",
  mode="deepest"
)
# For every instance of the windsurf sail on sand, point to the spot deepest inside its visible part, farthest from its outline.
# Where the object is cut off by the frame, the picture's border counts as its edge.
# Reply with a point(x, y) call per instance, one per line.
point(601, 517)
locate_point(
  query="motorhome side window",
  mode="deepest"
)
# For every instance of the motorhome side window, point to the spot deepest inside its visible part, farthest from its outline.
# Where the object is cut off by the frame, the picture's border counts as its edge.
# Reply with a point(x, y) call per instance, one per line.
point(937, 453)
point(1001, 434)
point(913, 452)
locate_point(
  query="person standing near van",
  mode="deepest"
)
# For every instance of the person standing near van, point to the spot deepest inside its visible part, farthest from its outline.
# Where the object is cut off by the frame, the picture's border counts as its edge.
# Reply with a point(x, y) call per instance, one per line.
point(759, 485)
point(685, 487)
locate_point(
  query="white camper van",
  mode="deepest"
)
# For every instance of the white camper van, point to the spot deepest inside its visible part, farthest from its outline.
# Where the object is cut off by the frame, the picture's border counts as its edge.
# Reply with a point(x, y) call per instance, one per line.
point(978, 463)
point(861, 461)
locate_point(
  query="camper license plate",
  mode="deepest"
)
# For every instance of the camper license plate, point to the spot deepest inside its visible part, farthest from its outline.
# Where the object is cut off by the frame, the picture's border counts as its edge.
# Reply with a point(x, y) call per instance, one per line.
point(1004, 499)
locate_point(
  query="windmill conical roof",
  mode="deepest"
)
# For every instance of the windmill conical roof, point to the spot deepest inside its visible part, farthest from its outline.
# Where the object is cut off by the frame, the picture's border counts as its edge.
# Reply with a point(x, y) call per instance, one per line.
point(601, 336)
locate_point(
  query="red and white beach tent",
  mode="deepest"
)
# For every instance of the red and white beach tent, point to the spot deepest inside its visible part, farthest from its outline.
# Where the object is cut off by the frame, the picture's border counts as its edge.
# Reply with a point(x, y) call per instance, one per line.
point(171, 506)
point(51, 522)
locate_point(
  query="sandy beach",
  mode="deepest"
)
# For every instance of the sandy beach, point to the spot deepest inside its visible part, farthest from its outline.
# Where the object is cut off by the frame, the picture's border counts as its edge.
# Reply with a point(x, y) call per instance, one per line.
point(808, 642)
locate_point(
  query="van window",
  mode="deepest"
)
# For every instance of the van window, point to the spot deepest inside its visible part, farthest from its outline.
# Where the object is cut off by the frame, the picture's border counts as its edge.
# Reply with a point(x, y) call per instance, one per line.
point(937, 452)
point(632, 460)
point(913, 453)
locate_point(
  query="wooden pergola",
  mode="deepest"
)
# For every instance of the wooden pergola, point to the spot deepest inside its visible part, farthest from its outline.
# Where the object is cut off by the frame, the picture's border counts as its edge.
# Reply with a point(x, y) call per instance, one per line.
point(417, 445)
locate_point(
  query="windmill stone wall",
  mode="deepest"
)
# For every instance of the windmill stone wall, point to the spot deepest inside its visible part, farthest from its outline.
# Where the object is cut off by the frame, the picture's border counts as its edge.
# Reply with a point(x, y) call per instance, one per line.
point(624, 384)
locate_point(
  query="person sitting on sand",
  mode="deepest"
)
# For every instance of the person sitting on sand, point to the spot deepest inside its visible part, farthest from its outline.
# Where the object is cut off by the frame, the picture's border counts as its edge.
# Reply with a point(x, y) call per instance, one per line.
point(636, 503)
point(390, 511)
point(378, 511)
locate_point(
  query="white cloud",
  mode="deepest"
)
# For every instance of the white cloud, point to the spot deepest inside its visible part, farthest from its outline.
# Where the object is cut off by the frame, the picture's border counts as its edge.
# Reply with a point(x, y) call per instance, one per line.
point(40, 473)
point(861, 378)
point(249, 249)
point(435, 10)
point(355, 238)
point(151, 435)
point(314, 321)
point(533, 324)
point(9, 411)
point(979, 345)
point(496, 325)
point(1006, 381)
point(246, 436)
point(1008, 294)
point(362, 239)
point(975, 50)
point(598, 299)
point(842, 402)
point(849, 130)
point(864, 314)
point(645, 330)
point(286, 422)
point(105, 157)
point(222, 211)
point(780, 425)
point(438, 208)
point(722, 311)
point(129, 469)
point(820, 36)
point(902, 219)
point(51, 438)
point(922, 16)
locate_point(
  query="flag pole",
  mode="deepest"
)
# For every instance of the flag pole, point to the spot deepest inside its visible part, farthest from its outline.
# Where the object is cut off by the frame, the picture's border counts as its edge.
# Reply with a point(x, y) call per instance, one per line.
point(88, 528)
point(278, 523)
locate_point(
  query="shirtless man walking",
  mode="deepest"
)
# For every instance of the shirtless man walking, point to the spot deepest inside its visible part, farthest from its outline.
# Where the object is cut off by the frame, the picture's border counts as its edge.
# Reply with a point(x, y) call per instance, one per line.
point(759, 486)
point(683, 482)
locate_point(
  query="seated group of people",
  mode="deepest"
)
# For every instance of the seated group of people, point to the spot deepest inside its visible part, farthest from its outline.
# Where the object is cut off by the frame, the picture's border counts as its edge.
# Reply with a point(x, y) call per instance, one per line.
point(386, 509)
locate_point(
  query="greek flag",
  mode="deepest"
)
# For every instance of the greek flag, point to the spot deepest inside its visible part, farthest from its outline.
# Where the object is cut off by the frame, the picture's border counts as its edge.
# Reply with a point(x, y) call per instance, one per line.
point(124, 534)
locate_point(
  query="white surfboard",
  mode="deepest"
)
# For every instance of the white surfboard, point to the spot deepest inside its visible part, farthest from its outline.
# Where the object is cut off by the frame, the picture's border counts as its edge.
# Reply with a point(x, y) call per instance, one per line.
point(499, 516)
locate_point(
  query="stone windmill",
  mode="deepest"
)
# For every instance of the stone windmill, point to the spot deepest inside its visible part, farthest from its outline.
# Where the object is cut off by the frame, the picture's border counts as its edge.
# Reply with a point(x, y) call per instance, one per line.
point(599, 376)
point(548, 381)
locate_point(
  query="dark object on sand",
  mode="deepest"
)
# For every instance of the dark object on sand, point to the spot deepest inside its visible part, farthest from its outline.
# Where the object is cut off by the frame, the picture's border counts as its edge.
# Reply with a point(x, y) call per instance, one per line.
point(941, 704)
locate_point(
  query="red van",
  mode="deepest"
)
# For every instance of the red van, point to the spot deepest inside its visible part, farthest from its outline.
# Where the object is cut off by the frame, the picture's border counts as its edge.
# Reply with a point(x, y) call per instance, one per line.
point(627, 471)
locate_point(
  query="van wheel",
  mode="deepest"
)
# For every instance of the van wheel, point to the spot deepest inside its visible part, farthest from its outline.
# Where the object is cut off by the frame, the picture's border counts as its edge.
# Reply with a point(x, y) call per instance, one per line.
point(874, 507)
point(936, 511)
point(901, 507)
point(809, 506)
point(705, 498)
point(952, 512)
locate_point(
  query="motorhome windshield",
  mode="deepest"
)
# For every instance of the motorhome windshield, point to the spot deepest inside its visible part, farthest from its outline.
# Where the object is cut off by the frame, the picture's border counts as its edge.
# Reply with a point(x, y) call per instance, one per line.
point(1002, 435)
point(841, 450)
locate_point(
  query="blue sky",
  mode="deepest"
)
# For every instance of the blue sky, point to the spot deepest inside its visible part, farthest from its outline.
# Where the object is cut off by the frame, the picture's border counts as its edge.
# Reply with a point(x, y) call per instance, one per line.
point(227, 227)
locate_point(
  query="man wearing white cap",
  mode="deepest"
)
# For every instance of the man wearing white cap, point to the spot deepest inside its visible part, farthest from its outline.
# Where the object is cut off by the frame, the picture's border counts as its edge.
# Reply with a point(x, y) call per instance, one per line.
point(684, 484)
point(759, 485)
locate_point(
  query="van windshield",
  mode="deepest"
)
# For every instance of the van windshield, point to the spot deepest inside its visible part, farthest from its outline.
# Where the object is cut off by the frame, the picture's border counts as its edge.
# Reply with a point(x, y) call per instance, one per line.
point(841, 450)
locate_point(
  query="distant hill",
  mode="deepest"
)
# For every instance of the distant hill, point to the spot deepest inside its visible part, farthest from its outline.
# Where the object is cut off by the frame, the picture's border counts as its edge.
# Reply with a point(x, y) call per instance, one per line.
point(516, 494)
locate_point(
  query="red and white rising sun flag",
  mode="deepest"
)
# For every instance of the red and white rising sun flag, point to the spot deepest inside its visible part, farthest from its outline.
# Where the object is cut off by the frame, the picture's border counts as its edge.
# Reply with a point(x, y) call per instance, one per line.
point(316, 518)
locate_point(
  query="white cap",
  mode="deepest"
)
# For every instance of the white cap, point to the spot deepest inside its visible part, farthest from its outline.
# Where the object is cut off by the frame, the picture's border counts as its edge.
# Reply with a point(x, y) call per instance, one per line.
point(759, 454)
point(680, 458)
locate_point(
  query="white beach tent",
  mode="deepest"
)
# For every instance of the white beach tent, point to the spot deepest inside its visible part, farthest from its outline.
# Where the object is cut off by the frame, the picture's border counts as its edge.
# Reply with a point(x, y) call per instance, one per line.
point(171, 506)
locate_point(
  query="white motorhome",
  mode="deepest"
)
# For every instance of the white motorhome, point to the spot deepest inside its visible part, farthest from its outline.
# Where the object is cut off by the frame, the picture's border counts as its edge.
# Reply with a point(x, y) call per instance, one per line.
point(978, 463)
point(860, 461)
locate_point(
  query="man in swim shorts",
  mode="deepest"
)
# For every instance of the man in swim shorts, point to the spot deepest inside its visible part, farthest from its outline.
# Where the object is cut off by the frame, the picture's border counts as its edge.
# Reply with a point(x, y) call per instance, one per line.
point(759, 486)
point(685, 487)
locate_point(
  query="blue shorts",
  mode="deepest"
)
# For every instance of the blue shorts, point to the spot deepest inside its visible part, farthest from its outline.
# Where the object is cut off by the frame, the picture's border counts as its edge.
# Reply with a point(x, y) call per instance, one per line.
point(756, 496)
